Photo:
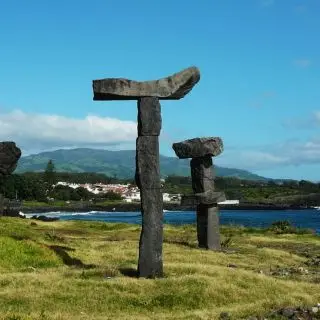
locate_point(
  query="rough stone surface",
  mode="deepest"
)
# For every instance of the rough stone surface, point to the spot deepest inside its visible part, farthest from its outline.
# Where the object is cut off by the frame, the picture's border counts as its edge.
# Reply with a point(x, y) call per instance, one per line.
point(9, 156)
point(208, 227)
point(208, 197)
point(224, 316)
point(149, 117)
point(173, 87)
point(147, 176)
point(202, 175)
point(201, 150)
point(288, 312)
point(207, 214)
point(150, 263)
point(292, 313)
point(147, 162)
point(198, 147)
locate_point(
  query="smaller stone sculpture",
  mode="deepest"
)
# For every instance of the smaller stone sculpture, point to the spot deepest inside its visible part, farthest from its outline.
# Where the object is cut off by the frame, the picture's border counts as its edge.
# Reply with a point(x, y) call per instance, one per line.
point(200, 150)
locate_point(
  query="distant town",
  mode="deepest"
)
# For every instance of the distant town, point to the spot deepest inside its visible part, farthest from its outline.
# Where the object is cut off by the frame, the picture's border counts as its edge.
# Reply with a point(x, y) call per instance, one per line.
point(128, 192)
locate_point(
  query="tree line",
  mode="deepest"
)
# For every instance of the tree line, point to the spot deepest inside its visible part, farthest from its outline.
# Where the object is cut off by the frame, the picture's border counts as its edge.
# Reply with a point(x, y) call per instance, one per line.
point(294, 192)
point(39, 186)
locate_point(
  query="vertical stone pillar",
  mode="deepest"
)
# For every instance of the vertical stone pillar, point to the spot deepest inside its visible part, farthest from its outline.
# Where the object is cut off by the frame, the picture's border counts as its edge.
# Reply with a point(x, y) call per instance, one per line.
point(150, 263)
point(207, 214)
point(148, 94)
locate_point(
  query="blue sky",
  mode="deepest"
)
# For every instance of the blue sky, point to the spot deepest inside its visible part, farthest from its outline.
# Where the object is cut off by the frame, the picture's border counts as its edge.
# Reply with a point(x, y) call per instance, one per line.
point(259, 87)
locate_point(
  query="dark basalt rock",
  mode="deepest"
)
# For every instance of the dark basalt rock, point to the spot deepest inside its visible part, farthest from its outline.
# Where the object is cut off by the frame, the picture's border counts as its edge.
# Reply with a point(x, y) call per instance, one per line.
point(293, 313)
point(147, 175)
point(208, 227)
point(149, 117)
point(150, 263)
point(147, 162)
point(9, 156)
point(208, 197)
point(12, 213)
point(45, 219)
point(173, 87)
point(202, 174)
point(201, 150)
point(198, 147)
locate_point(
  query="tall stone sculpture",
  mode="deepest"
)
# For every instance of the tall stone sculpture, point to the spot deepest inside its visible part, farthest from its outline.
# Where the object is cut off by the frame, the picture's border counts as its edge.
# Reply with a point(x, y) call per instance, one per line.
point(147, 177)
point(200, 150)
point(9, 156)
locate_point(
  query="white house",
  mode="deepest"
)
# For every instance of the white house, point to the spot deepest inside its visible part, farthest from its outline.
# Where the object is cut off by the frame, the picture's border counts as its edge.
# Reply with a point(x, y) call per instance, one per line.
point(71, 185)
point(166, 197)
point(231, 202)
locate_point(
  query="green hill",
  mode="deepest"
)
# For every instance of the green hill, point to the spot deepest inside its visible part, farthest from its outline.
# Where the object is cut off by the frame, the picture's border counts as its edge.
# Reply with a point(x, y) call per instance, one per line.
point(113, 163)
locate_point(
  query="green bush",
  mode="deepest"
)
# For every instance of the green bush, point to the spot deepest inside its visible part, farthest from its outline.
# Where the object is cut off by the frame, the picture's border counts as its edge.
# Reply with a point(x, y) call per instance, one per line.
point(284, 226)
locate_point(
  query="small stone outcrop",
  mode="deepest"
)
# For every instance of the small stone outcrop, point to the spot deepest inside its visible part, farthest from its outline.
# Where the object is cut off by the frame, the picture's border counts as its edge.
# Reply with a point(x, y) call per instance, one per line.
point(9, 156)
point(292, 313)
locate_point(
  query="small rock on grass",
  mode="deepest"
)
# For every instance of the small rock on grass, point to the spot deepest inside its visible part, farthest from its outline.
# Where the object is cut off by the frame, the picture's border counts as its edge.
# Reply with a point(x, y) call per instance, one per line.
point(224, 316)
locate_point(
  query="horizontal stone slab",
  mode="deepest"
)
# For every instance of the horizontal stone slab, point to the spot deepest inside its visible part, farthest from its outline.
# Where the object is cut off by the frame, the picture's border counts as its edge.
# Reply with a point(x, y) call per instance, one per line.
point(205, 198)
point(198, 147)
point(9, 156)
point(173, 87)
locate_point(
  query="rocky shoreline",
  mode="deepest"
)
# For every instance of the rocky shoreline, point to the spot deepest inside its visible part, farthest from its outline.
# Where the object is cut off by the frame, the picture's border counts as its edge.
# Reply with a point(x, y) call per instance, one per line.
point(294, 313)
point(135, 207)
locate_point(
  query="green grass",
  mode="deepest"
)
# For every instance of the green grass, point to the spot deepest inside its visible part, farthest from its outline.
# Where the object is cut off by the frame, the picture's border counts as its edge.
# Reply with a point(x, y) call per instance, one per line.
point(17, 255)
point(37, 204)
point(80, 270)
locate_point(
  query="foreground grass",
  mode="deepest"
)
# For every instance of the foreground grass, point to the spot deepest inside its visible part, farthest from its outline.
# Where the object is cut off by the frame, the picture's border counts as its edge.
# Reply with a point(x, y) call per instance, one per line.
point(85, 270)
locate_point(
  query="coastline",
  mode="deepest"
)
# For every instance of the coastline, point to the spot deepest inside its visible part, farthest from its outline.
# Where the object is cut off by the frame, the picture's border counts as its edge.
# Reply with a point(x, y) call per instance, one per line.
point(135, 207)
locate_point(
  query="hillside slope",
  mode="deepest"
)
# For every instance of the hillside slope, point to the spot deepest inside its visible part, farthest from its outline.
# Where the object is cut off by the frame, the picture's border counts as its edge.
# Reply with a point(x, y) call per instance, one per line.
point(114, 163)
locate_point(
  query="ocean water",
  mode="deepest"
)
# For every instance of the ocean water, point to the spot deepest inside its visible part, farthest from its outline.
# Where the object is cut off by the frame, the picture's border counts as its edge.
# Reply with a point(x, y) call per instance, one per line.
point(249, 218)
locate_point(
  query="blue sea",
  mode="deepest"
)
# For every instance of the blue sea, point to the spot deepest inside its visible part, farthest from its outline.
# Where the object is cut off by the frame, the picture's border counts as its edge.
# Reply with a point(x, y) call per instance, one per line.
point(309, 218)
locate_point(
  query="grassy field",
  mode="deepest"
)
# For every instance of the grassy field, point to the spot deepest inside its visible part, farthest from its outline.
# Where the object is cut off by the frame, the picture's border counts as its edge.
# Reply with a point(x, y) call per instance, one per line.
point(86, 270)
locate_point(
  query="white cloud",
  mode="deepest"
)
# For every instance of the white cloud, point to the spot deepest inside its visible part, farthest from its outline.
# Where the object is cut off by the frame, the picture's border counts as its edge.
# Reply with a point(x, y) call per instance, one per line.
point(44, 131)
point(273, 156)
point(302, 63)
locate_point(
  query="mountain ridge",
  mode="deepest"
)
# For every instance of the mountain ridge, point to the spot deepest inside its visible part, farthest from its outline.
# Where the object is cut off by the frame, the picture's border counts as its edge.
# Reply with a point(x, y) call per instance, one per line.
point(114, 163)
